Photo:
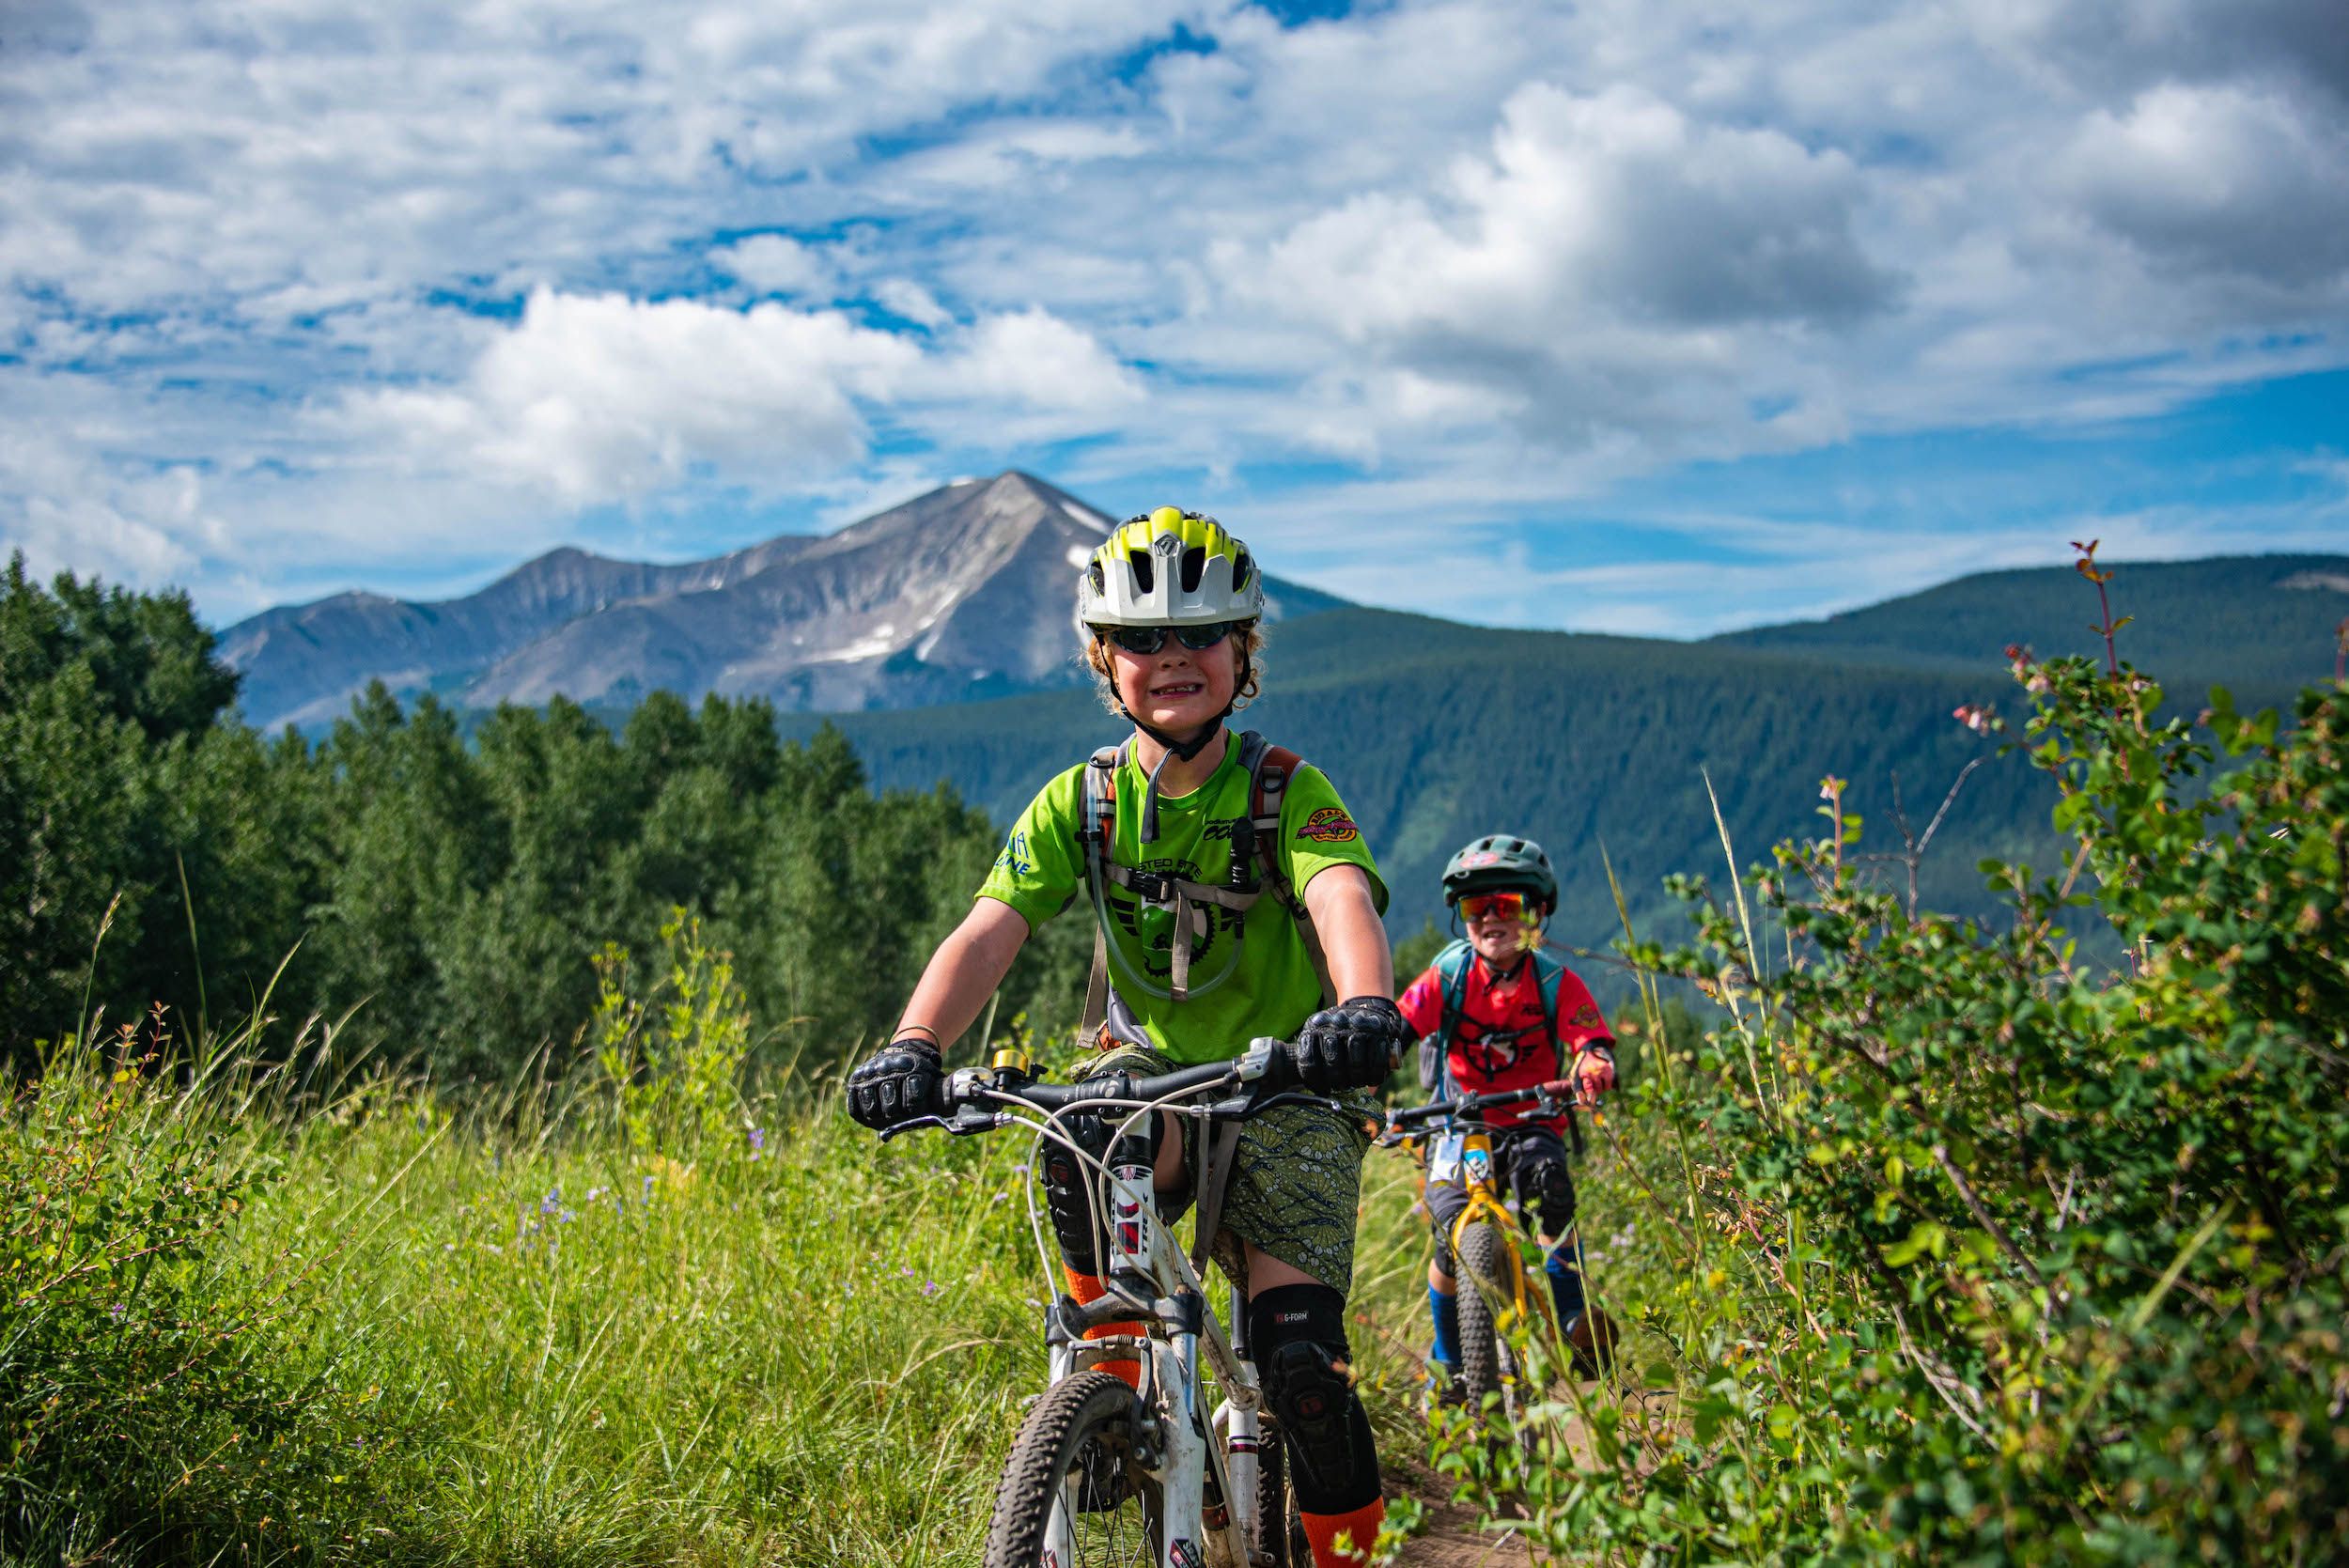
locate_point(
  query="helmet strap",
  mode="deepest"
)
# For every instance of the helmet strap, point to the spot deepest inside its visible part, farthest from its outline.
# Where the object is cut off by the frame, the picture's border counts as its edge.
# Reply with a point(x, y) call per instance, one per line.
point(1172, 749)
point(1506, 973)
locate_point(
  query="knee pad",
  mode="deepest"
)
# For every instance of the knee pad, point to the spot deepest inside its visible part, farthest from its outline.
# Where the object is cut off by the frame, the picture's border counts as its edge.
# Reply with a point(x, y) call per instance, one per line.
point(1549, 1186)
point(1296, 1334)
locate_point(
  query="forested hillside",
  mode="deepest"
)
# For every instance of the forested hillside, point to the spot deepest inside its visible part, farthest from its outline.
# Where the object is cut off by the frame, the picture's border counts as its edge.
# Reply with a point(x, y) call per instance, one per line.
point(2248, 621)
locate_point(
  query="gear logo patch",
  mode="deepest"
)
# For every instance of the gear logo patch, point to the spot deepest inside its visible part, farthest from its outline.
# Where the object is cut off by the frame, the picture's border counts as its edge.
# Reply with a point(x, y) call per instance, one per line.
point(1586, 1016)
point(1329, 825)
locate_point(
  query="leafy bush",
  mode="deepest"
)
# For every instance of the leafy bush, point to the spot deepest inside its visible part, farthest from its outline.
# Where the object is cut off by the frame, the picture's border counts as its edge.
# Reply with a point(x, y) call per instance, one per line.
point(674, 1057)
point(146, 1408)
point(1977, 1254)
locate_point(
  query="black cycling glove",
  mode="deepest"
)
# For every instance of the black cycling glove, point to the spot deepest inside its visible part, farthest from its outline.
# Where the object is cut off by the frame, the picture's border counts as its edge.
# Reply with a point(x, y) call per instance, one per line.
point(897, 1083)
point(1352, 1045)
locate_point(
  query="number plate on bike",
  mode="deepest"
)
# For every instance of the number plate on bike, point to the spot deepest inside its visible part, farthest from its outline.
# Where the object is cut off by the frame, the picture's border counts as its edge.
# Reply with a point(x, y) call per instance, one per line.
point(1443, 1163)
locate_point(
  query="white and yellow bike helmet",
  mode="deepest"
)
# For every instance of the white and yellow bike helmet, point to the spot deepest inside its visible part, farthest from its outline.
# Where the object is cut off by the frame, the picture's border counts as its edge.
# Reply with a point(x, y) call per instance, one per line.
point(1169, 567)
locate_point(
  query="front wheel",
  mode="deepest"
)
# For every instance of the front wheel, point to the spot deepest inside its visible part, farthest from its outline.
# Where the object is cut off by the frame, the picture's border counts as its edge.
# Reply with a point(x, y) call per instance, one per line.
point(1075, 1483)
point(1487, 1274)
point(1280, 1533)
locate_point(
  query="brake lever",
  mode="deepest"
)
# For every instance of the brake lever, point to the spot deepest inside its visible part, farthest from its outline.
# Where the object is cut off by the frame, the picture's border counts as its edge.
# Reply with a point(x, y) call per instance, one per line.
point(1297, 1096)
point(1242, 1107)
point(968, 1118)
point(896, 1128)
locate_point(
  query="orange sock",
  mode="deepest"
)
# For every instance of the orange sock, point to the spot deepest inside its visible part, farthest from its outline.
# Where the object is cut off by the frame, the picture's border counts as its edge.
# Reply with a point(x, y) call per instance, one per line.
point(1360, 1528)
point(1087, 1289)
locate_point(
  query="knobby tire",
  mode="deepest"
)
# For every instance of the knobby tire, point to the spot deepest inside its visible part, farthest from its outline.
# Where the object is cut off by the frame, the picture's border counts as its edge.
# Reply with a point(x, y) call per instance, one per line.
point(1486, 1263)
point(1083, 1427)
point(1280, 1534)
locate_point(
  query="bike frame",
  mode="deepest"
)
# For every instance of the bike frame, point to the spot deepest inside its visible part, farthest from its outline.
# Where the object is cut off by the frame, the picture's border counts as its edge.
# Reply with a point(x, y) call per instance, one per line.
point(1464, 1116)
point(1149, 1280)
point(1486, 1205)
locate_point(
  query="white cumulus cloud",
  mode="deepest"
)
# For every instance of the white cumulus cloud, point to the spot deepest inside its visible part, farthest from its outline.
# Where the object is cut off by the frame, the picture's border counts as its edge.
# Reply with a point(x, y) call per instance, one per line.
point(2227, 179)
point(603, 397)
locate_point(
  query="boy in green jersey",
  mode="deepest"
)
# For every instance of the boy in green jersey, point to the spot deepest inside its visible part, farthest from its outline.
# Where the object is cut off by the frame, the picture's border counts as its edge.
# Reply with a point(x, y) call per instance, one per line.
point(1210, 934)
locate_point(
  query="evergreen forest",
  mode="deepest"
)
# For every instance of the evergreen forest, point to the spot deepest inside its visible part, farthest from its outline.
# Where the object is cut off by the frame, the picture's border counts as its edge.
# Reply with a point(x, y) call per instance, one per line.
point(449, 891)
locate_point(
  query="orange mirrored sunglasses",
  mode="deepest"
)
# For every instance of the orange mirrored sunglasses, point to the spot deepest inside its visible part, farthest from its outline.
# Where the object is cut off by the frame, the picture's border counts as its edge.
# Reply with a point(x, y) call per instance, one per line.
point(1508, 906)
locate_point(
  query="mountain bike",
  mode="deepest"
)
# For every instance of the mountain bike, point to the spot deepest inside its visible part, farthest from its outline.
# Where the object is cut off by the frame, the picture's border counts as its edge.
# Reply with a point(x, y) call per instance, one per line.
point(1107, 1472)
point(1488, 1244)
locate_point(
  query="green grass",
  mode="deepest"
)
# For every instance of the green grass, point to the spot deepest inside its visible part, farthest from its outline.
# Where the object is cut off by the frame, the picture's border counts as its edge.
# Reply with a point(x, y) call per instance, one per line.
point(529, 1340)
point(802, 1354)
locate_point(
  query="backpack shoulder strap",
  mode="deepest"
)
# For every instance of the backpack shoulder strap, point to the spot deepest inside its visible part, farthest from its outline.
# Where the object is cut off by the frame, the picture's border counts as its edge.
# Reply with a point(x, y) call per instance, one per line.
point(1451, 971)
point(1551, 972)
point(1270, 769)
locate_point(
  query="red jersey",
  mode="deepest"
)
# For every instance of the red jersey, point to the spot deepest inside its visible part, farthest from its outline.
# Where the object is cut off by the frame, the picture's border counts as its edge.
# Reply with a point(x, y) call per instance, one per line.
point(1500, 1036)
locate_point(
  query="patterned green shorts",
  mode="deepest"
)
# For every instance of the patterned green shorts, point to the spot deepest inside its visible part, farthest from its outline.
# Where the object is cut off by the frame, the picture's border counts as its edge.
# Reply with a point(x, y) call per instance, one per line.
point(1296, 1183)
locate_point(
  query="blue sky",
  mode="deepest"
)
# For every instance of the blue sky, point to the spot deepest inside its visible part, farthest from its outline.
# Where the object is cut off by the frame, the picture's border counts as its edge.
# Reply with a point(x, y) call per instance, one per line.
point(1639, 315)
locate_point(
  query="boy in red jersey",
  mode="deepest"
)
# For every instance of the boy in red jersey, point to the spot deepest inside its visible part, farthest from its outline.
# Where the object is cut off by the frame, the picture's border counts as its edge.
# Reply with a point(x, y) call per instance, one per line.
point(1499, 1010)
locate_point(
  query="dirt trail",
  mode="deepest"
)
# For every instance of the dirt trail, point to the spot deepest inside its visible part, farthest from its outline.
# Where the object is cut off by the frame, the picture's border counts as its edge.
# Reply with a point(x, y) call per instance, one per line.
point(1453, 1538)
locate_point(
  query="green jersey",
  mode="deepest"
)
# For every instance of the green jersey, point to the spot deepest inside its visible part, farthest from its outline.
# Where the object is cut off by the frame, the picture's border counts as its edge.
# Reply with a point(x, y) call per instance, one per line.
point(1249, 973)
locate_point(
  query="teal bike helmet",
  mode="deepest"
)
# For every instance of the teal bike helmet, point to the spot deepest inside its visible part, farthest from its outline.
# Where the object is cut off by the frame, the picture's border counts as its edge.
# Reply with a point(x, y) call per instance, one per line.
point(1500, 863)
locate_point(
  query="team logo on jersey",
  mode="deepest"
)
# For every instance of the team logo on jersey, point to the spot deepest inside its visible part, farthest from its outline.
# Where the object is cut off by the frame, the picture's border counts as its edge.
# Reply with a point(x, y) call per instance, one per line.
point(1015, 858)
point(1586, 1016)
point(1329, 825)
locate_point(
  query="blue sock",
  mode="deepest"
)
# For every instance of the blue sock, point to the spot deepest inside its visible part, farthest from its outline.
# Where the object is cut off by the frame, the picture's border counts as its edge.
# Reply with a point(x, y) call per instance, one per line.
point(1445, 1310)
point(1566, 1285)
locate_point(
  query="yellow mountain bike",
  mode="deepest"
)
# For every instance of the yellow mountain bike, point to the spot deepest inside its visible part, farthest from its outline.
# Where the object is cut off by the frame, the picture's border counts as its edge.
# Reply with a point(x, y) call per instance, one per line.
point(1502, 1295)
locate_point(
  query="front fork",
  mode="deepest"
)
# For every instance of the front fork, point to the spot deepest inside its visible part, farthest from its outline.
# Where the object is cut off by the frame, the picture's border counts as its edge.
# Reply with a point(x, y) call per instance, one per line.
point(1209, 1506)
point(1484, 1204)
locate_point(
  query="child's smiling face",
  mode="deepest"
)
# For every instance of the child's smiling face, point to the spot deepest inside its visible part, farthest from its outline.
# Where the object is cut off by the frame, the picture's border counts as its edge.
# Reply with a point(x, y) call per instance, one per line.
point(1177, 689)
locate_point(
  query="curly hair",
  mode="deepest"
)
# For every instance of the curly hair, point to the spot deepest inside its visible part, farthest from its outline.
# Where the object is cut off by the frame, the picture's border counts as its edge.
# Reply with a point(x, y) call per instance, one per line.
point(1249, 637)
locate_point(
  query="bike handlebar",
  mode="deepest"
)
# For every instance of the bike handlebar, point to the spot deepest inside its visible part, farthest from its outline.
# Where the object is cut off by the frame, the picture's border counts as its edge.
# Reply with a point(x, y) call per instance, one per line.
point(1559, 1094)
point(974, 1095)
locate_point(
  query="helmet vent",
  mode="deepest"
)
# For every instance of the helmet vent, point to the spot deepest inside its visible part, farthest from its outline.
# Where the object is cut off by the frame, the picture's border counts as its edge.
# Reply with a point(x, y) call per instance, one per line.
point(1145, 572)
point(1100, 584)
point(1241, 568)
point(1195, 566)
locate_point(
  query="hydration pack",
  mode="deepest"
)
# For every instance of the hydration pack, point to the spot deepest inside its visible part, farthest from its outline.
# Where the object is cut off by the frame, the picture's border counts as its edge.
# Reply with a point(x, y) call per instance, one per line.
point(1255, 872)
point(1452, 972)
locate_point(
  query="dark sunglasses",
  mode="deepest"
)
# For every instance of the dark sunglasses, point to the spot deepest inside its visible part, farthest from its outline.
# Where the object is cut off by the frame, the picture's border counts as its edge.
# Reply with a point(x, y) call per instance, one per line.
point(1150, 639)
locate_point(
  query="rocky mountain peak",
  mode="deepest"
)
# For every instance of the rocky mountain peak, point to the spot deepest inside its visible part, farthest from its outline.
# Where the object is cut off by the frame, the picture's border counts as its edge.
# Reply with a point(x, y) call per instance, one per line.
point(961, 593)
